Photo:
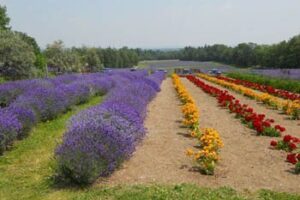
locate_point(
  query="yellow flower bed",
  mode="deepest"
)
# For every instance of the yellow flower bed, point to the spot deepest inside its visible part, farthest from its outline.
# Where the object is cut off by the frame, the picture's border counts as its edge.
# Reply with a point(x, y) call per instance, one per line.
point(207, 157)
point(189, 108)
point(209, 138)
point(289, 107)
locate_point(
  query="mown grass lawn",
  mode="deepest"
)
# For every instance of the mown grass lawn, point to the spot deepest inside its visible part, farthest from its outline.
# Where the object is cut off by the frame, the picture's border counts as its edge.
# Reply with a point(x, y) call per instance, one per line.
point(26, 171)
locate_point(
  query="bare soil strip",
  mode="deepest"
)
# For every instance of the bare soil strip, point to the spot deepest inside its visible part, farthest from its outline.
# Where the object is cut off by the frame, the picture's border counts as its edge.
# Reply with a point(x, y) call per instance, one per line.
point(247, 162)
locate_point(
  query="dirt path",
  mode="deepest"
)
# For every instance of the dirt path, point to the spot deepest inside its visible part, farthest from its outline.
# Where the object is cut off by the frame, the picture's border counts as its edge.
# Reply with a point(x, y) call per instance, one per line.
point(246, 163)
point(160, 157)
point(292, 126)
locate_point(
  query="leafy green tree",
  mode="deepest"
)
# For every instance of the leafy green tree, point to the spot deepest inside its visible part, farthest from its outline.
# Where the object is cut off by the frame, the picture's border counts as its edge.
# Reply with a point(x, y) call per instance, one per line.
point(92, 60)
point(61, 59)
point(16, 56)
point(54, 55)
point(4, 19)
point(72, 61)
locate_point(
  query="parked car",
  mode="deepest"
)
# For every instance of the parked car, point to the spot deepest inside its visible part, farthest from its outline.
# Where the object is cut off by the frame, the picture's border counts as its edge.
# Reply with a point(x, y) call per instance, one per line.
point(214, 72)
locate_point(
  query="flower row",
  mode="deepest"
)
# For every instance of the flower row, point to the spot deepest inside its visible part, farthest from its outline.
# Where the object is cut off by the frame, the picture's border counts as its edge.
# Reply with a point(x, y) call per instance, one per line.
point(246, 114)
point(253, 120)
point(289, 107)
point(264, 88)
point(209, 139)
point(292, 145)
point(210, 144)
point(189, 108)
point(100, 138)
point(10, 91)
point(46, 102)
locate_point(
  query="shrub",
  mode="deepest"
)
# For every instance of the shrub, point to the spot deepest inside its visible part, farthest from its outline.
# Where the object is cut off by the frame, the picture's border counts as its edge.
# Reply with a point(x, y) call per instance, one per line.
point(9, 129)
point(100, 138)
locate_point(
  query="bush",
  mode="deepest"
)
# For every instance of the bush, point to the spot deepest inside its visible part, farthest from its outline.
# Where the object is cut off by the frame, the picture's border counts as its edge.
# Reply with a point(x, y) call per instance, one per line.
point(26, 118)
point(18, 62)
point(107, 140)
point(31, 101)
point(9, 129)
point(100, 138)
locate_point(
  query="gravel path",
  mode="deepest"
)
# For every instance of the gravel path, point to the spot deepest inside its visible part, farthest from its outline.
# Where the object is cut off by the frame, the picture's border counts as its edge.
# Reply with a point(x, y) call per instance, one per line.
point(246, 161)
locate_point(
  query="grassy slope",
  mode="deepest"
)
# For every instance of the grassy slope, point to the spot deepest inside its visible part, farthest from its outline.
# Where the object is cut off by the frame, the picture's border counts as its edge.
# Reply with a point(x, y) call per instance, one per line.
point(25, 173)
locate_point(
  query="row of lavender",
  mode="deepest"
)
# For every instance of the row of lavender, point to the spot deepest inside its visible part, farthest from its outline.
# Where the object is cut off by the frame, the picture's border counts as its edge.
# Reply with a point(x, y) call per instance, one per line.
point(32, 101)
point(10, 91)
point(100, 138)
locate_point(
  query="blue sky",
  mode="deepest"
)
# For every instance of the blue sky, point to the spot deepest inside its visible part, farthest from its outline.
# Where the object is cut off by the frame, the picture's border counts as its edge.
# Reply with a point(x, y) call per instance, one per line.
point(155, 23)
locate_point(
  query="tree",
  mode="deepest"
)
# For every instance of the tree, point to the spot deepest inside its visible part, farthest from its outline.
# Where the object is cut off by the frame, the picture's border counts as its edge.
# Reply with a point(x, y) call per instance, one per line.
point(4, 19)
point(55, 56)
point(40, 61)
point(61, 59)
point(16, 56)
point(92, 60)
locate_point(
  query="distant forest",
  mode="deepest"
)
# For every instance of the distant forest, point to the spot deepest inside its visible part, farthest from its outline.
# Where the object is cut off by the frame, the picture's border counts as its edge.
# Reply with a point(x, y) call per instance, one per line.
point(285, 54)
point(25, 59)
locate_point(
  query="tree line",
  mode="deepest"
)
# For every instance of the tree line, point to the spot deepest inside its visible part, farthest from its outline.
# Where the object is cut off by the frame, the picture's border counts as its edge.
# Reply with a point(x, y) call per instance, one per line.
point(285, 54)
point(21, 57)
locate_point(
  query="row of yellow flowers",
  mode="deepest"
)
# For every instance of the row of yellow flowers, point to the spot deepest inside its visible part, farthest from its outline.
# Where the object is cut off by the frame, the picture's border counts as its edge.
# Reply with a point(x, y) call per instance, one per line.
point(209, 139)
point(289, 107)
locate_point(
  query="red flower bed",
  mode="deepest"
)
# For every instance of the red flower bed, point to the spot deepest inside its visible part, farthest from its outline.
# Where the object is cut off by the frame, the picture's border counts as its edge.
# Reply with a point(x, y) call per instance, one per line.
point(264, 88)
point(256, 121)
point(293, 158)
point(247, 115)
point(288, 143)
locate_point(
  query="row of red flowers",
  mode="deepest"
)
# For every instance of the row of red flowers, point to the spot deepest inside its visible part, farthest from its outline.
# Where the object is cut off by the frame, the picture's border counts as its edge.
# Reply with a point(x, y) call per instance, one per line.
point(264, 88)
point(290, 144)
point(253, 120)
point(258, 122)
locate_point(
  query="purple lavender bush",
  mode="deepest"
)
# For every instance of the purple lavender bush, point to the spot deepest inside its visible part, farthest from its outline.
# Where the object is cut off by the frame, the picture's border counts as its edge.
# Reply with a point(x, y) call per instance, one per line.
point(9, 129)
point(45, 103)
point(8, 93)
point(99, 139)
point(11, 90)
point(26, 118)
point(44, 99)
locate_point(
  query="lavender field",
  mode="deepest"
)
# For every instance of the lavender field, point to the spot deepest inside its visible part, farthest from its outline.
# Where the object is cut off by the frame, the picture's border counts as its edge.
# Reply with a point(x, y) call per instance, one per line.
point(279, 73)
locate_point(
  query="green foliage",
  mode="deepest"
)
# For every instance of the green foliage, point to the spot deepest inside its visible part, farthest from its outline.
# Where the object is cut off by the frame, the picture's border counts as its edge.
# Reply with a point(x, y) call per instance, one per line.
point(92, 59)
point(40, 61)
point(285, 84)
point(86, 59)
point(297, 168)
point(285, 54)
point(118, 58)
point(149, 54)
point(4, 19)
point(2, 80)
point(16, 56)
point(61, 60)
point(30, 41)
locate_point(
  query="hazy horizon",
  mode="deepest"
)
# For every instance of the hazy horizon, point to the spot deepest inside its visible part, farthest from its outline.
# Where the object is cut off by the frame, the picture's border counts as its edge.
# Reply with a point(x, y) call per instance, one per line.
point(155, 24)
